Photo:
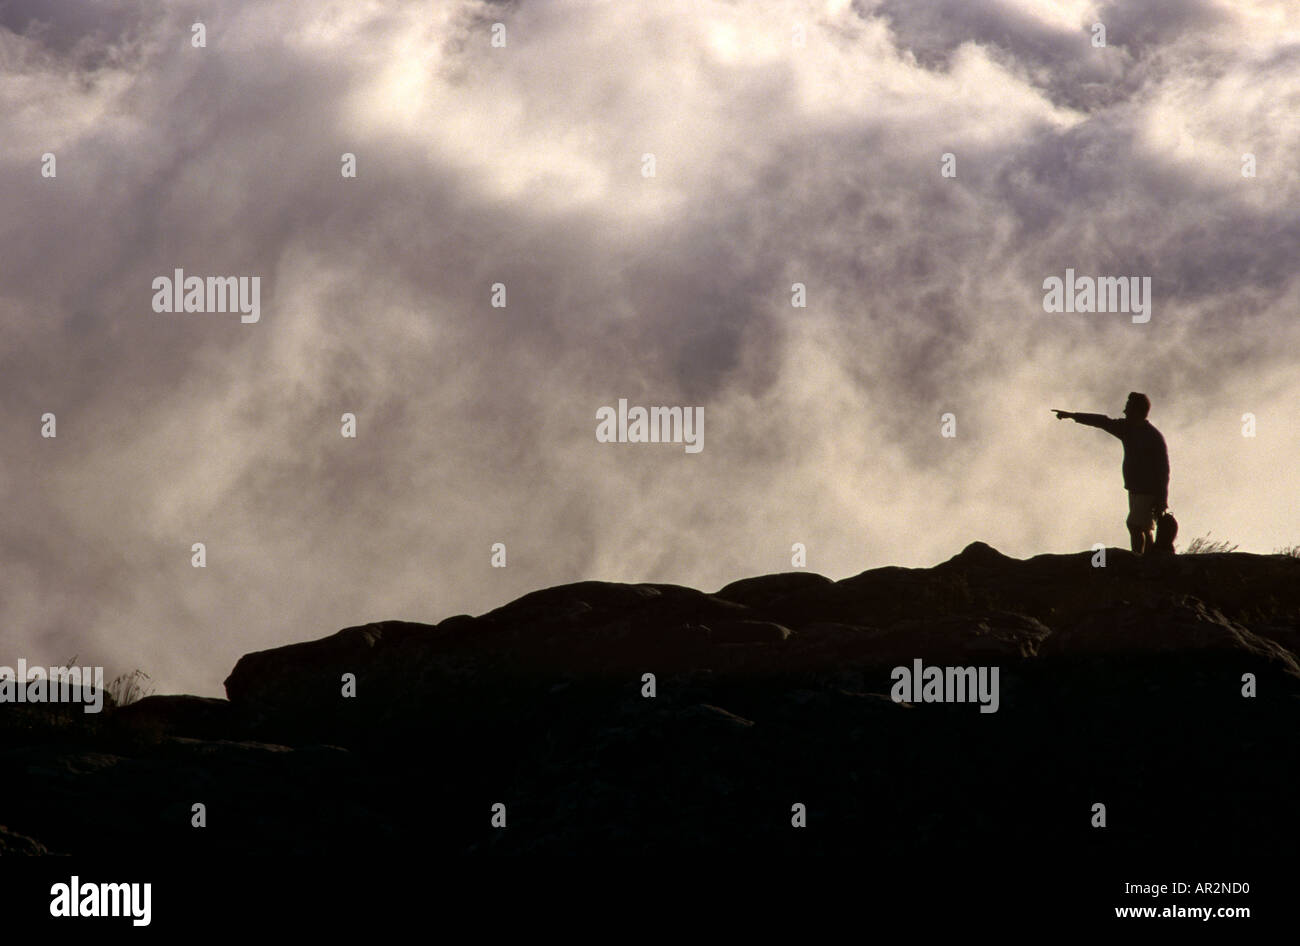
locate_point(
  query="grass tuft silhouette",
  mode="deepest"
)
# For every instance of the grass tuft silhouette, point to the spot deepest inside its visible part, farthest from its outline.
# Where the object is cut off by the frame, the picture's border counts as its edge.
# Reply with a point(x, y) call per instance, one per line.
point(1203, 545)
point(127, 688)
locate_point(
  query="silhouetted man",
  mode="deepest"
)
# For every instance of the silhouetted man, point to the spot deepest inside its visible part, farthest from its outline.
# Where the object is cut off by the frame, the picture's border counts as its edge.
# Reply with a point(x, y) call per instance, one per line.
point(1146, 465)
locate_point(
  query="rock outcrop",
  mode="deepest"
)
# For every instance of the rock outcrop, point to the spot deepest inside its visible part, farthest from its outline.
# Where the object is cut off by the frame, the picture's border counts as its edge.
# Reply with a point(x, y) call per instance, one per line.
point(1122, 685)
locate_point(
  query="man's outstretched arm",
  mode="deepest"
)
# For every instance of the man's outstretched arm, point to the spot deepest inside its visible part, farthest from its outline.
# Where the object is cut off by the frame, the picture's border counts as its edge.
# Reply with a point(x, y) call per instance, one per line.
point(1110, 425)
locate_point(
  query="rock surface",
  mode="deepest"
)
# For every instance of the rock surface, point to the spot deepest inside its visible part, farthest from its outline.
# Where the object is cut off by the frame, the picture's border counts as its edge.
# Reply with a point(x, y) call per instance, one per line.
point(1120, 685)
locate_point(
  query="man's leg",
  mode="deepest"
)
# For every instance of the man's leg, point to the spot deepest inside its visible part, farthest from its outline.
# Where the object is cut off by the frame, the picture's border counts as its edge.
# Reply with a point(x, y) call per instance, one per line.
point(1141, 522)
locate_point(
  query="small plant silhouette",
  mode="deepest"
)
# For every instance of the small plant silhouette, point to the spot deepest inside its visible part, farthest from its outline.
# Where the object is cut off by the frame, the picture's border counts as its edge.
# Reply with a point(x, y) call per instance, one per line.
point(1203, 545)
point(129, 687)
point(1290, 551)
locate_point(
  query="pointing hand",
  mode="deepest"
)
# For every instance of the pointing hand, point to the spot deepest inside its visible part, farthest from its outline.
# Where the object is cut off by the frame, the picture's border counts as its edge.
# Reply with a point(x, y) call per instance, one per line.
point(1062, 415)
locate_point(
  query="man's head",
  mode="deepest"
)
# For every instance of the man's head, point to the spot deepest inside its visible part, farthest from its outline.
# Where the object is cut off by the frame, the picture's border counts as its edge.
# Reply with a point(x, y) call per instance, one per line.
point(1138, 406)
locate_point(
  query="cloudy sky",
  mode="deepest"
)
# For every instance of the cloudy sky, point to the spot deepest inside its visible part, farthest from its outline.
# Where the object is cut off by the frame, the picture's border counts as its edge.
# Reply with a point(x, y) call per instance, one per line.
point(793, 141)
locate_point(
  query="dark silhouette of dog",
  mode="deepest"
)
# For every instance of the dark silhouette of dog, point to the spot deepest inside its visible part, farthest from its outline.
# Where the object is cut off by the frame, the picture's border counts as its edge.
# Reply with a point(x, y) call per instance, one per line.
point(1166, 532)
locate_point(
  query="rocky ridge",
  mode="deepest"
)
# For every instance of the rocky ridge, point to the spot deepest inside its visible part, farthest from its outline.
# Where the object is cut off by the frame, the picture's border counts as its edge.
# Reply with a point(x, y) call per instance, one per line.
point(1121, 685)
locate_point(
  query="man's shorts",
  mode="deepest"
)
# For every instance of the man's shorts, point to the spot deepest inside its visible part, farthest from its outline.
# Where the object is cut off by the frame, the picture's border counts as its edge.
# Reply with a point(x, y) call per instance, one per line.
point(1141, 512)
